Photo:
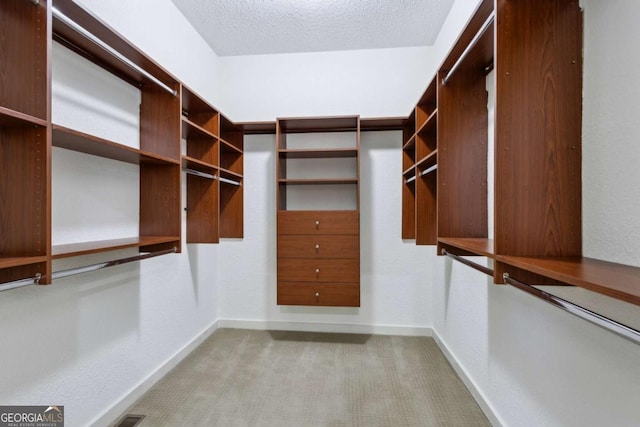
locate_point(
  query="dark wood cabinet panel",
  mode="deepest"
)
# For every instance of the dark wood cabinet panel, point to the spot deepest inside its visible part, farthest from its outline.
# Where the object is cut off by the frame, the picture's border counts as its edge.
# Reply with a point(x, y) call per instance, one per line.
point(320, 294)
point(319, 270)
point(318, 222)
point(318, 246)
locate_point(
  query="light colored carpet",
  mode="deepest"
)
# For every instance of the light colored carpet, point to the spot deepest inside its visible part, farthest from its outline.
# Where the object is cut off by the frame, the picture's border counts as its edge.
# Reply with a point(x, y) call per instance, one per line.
point(268, 378)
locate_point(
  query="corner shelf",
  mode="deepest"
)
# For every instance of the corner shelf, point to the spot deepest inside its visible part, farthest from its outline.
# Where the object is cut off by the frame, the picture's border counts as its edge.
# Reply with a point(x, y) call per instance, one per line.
point(198, 165)
point(319, 181)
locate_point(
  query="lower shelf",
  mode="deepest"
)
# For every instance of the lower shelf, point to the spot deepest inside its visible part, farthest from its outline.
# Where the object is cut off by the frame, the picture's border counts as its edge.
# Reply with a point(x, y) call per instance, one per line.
point(20, 261)
point(319, 294)
point(85, 248)
point(607, 278)
point(467, 246)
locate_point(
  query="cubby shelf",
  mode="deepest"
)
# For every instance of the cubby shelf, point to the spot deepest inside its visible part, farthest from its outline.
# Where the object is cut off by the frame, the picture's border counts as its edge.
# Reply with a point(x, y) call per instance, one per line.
point(198, 165)
point(86, 248)
point(427, 161)
point(193, 130)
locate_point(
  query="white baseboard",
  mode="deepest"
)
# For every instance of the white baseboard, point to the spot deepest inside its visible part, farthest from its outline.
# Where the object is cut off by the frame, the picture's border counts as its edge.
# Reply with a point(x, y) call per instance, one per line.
point(468, 382)
point(325, 327)
point(112, 414)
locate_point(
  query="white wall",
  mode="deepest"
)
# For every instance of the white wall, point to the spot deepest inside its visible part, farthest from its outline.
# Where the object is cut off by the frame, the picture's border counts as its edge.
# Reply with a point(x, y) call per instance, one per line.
point(87, 341)
point(532, 363)
point(371, 83)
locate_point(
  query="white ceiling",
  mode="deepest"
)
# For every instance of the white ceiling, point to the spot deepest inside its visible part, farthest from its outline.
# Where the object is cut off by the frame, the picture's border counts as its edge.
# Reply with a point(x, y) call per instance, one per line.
point(250, 27)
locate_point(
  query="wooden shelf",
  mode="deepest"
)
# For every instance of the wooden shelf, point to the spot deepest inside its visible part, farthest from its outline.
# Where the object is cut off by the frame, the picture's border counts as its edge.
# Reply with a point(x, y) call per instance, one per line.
point(410, 171)
point(428, 160)
point(229, 174)
point(410, 144)
point(198, 165)
point(430, 124)
point(382, 123)
point(481, 247)
point(12, 118)
point(191, 130)
point(227, 146)
point(328, 153)
point(319, 181)
point(85, 248)
point(20, 261)
point(258, 128)
point(84, 143)
point(607, 278)
point(318, 124)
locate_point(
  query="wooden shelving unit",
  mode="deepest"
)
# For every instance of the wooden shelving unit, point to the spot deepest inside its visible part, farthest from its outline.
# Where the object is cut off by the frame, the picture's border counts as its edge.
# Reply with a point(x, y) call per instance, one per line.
point(318, 250)
point(27, 136)
point(24, 141)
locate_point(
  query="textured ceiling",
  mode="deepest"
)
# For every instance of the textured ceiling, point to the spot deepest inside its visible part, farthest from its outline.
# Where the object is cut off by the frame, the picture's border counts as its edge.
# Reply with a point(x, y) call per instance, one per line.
point(250, 27)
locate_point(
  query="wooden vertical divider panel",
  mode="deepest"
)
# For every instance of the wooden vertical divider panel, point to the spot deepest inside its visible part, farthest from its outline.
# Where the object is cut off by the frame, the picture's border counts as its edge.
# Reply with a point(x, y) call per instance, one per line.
point(409, 178)
point(538, 129)
point(25, 153)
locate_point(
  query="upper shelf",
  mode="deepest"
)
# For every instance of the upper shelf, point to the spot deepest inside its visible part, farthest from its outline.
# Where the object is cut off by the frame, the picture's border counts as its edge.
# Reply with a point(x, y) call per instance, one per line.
point(84, 143)
point(191, 130)
point(318, 153)
point(318, 124)
point(608, 278)
point(75, 40)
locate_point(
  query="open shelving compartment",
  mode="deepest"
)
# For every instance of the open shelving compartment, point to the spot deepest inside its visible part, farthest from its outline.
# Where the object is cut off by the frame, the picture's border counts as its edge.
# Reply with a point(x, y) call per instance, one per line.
point(231, 179)
point(201, 148)
point(158, 157)
point(462, 138)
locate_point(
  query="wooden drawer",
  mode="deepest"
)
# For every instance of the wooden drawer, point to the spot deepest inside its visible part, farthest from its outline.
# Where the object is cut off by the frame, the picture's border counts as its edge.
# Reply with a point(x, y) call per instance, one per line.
point(326, 294)
point(319, 270)
point(319, 246)
point(318, 222)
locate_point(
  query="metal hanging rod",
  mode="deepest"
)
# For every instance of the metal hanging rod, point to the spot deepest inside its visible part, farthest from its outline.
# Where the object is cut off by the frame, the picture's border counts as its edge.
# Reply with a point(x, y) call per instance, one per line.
point(20, 283)
point(86, 34)
point(471, 264)
point(409, 180)
point(471, 45)
point(581, 312)
point(94, 267)
point(79, 270)
point(428, 170)
point(200, 174)
point(229, 181)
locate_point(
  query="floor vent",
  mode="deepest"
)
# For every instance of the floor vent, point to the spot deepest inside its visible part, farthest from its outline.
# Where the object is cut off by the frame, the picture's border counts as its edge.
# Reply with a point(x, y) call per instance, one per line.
point(130, 420)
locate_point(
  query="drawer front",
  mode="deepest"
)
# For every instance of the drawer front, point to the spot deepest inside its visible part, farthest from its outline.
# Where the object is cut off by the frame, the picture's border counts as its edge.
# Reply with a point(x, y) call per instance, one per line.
point(318, 222)
point(325, 294)
point(318, 246)
point(319, 270)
